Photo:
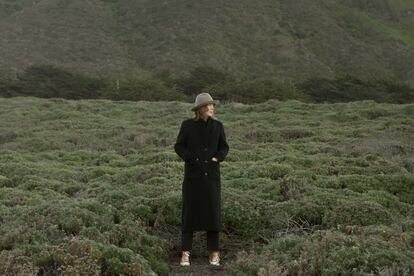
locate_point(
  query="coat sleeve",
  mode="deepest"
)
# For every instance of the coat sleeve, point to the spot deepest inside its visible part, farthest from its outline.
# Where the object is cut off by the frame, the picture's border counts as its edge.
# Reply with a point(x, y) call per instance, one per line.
point(223, 146)
point(180, 146)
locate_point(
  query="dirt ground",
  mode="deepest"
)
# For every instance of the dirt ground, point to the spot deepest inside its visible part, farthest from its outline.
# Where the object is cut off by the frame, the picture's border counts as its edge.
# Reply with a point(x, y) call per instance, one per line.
point(199, 264)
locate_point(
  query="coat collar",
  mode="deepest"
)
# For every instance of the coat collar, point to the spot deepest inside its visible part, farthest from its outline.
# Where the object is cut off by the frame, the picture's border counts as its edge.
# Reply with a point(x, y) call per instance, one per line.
point(206, 128)
point(205, 123)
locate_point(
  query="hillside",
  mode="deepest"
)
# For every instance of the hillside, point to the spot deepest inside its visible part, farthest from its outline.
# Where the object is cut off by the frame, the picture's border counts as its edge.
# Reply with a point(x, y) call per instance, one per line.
point(288, 39)
point(94, 186)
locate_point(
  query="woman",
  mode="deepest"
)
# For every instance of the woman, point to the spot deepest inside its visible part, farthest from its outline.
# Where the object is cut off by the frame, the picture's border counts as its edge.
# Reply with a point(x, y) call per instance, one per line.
point(201, 143)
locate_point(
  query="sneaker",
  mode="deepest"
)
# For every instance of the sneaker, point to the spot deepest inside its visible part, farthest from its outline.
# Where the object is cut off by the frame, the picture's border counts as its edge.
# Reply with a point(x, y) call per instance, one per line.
point(214, 258)
point(185, 258)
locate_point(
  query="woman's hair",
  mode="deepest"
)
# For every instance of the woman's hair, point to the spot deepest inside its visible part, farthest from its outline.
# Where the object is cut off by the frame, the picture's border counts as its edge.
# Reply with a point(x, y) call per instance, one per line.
point(199, 111)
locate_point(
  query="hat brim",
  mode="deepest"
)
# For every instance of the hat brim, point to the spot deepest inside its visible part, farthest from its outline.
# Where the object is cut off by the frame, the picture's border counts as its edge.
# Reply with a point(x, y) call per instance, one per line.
point(206, 103)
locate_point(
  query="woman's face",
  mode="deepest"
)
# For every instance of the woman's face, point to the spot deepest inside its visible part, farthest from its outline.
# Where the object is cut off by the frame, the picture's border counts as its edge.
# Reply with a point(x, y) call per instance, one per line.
point(208, 110)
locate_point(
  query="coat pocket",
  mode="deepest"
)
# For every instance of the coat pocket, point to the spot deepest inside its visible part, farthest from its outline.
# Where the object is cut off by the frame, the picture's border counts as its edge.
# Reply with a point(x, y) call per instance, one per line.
point(214, 168)
point(192, 169)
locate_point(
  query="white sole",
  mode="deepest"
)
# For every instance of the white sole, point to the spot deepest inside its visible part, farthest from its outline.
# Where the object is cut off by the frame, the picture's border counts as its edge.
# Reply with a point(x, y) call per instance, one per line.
point(185, 263)
point(216, 263)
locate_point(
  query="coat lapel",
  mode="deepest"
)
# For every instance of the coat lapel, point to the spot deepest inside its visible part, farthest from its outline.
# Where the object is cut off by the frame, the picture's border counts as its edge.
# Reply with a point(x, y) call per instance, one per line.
point(206, 129)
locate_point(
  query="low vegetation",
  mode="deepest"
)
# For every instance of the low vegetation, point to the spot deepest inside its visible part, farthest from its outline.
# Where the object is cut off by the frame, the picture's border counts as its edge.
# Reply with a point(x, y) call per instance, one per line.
point(94, 186)
point(48, 81)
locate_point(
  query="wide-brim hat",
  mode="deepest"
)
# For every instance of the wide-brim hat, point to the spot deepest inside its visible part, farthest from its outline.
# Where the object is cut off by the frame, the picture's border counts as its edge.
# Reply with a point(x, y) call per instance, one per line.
point(203, 99)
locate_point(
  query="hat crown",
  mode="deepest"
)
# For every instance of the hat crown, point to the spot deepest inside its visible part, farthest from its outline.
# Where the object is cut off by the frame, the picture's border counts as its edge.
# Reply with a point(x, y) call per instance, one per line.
point(202, 99)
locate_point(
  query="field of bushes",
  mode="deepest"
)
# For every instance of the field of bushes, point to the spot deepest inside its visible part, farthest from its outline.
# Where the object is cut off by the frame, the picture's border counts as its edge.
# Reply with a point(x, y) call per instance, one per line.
point(48, 81)
point(94, 186)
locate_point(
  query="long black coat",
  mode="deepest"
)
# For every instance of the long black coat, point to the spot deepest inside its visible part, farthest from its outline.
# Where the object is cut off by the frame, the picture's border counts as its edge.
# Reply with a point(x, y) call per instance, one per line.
point(197, 143)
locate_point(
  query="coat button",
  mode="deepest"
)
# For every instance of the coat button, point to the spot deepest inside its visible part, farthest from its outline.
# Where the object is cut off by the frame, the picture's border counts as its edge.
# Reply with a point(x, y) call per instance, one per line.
point(205, 173)
point(205, 161)
point(205, 149)
point(196, 159)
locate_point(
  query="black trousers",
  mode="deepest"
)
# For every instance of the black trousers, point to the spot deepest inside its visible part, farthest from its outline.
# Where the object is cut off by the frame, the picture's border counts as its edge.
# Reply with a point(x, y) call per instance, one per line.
point(212, 240)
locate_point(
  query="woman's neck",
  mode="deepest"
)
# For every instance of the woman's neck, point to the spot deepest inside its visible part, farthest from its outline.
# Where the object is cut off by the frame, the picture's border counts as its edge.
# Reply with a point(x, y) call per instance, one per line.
point(205, 118)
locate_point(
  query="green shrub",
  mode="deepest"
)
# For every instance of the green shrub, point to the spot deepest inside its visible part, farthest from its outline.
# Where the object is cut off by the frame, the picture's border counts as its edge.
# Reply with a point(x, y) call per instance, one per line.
point(349, 88)
point(48, 81)
point(305, 212)
point(273, 170)
point(359, 212)
point(116, 261)
point(295, 133)
point(15, 262)
point(143, 89)
point(7, 137)
point(131, 234)
point(201, 77)
point(325, 253)
point(71, 258)
point(257, 90)
point(240, 219)
point(137, 208)
point(4, 181)
point(391, 202)
point(399, 185)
